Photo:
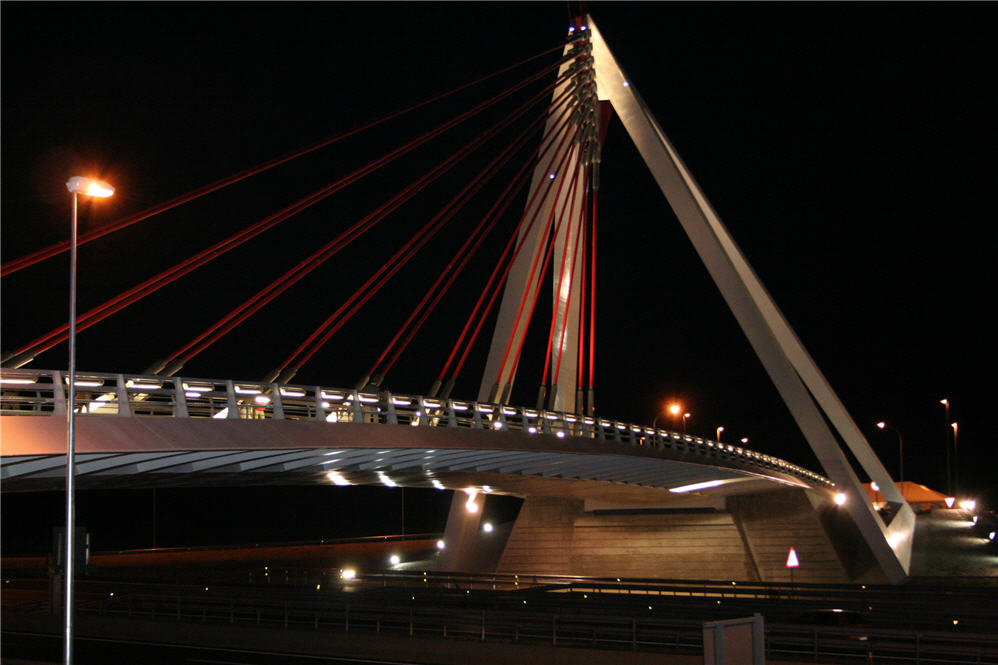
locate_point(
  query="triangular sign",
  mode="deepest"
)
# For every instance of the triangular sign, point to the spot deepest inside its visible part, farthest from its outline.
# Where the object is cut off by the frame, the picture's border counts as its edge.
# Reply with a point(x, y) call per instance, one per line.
point(792, 561)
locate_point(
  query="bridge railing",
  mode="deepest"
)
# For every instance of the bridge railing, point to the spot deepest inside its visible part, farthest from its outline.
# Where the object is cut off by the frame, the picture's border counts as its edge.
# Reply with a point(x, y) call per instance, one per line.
point(27, 392)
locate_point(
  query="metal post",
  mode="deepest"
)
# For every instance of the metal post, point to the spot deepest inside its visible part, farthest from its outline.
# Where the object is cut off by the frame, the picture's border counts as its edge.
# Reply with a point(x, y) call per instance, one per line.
point(67, 647)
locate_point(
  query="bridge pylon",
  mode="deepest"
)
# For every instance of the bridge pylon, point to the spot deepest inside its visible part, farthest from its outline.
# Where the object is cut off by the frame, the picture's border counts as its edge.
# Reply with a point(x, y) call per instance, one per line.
point(816, 408)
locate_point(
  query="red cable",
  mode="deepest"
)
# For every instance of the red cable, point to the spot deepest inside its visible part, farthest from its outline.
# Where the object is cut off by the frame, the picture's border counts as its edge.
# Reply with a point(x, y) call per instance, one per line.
point(152, 284)
point(580, 345)
point(40, 255)
point(315, 339)
point(569, 204)
point(533, 305)
point(592, 290)
point(571, 279)
point(533, 269)
point(269, 293)
point(509, 265)
point(545, 146)
point(506, 199)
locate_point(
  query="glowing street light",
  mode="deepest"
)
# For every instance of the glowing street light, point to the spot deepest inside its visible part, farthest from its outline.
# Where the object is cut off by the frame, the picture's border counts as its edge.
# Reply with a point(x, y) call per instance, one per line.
point(77, 185)
point(882, 425)
point(719, 430)
point(673, 410)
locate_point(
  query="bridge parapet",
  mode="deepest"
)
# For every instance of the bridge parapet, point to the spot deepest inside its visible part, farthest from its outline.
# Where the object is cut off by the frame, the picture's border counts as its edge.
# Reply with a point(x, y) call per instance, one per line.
point(28, 392)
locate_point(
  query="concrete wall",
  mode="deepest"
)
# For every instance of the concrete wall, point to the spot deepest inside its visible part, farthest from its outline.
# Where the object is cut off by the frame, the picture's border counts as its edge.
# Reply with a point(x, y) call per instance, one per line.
point(773, 522)
point(556, 536)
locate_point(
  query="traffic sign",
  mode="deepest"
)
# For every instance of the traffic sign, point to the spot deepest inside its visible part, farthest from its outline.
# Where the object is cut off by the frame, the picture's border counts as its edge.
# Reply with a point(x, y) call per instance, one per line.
point(792, 561)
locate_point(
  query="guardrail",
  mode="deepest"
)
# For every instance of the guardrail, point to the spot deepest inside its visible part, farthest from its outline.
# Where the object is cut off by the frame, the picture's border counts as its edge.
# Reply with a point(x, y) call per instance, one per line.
point(25, 392)
point(596, 630)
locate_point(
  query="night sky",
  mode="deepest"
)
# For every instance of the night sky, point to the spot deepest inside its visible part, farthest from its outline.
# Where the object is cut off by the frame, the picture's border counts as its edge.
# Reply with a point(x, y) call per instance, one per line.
point(849, 148)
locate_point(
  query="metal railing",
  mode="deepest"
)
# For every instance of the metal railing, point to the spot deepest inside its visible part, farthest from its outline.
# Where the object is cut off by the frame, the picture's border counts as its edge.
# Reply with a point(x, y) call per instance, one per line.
point(596, 630)
point(26, 392)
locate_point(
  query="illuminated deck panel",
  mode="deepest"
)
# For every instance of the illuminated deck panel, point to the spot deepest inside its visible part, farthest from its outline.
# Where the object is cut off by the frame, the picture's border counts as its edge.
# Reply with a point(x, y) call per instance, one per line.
point(136, 431)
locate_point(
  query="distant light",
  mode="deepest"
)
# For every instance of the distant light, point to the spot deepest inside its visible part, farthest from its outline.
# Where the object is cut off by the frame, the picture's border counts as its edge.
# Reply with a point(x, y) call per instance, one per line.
point(582, 28)
point(874, 486)
point(317, 587)
point(696, 486)
point(991, 535)
point(348, 574)
point(560, 435)
point(394, 559)
point(949, 501)
point(487, 489)
point(192, 394)
point(487, 527)
point(944, 402)
point(532, 430)
point(571, 29)
point(956, 621)
point(968, 504)
point(262, 400)
point(441, 544)
point(89, 187)
point(627, 84)
point(17, 381)
point(439, 485)
point(551, 176)
point(881, 424)
point(744, 439)
point(840, 499)
point(497, 425)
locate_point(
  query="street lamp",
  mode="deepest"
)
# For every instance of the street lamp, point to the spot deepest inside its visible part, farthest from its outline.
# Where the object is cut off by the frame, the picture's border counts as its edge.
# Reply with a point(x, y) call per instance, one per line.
point(956, 461)
point(883, 425)
point(685, 416)
point(77, 185)
point(673, 410)
point(949, 484)
point(719, 430)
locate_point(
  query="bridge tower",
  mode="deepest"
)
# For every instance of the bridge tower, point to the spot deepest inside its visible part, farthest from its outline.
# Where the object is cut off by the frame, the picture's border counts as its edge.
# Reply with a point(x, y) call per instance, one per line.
point(819, 413)
point(558, 200)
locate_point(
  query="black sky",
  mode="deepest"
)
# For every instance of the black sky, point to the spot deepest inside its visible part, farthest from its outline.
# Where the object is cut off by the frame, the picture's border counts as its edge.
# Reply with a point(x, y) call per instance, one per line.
point(849, 148)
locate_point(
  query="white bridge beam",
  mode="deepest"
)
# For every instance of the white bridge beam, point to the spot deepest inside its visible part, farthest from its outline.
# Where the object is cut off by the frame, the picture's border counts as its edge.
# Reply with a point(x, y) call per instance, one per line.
point(801, 384)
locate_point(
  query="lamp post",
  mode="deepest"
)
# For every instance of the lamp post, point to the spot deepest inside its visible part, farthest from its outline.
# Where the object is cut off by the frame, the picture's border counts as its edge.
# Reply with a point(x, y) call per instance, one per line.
point(956, 461)
point(883, 425)
point(719, 430)
point(949, 484)
point(88, 187)
point(685, 416)
point(673, 410)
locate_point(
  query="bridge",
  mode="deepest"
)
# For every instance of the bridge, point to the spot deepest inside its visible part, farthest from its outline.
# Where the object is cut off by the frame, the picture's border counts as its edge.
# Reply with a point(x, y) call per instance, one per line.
point(590, 482)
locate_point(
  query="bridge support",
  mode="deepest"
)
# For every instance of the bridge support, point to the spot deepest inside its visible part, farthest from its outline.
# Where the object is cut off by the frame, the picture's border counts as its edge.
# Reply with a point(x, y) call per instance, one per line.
point(818, 412)
point(744, 538)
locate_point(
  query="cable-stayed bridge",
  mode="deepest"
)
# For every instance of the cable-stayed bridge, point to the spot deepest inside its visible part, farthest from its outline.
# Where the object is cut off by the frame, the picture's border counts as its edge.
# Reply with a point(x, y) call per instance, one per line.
point(551, 246)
